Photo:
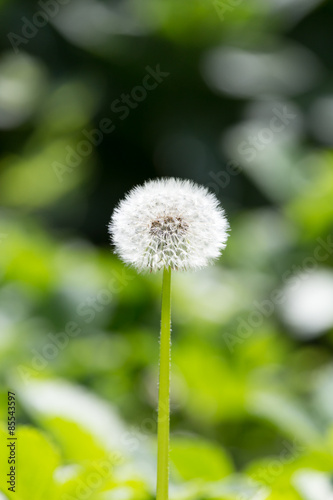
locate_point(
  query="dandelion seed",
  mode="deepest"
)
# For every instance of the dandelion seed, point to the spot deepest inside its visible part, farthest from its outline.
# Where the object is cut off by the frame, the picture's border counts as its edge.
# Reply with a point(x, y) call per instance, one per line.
point(169, 223)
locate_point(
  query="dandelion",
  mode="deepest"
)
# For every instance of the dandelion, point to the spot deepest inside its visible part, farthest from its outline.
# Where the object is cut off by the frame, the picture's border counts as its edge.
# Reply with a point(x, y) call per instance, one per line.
point(168, 224)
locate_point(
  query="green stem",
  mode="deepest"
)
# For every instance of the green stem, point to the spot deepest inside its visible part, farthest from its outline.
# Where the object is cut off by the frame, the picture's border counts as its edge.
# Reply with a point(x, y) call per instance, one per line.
point(162, 492)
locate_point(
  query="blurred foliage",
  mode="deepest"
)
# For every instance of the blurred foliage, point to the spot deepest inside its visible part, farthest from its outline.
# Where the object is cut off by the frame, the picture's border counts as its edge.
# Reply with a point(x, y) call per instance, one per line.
point(252, 376)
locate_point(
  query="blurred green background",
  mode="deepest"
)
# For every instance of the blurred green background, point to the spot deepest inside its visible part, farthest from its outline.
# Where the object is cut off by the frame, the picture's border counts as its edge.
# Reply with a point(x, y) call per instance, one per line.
point(96, 97)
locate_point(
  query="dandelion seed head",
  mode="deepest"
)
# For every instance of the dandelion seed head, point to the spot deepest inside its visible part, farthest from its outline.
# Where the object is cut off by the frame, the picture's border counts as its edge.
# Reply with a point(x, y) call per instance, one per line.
point(169, 223)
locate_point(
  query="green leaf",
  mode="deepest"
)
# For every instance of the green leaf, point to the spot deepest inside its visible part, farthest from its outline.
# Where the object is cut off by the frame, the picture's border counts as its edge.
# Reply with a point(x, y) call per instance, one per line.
point(36, 461)
point(288, 415)
point(77, 443)
point(194, 458)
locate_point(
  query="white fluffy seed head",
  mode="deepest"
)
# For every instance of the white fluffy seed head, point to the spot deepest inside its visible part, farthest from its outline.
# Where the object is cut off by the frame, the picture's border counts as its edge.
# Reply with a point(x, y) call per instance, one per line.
point(169, 223)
